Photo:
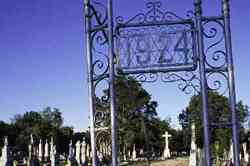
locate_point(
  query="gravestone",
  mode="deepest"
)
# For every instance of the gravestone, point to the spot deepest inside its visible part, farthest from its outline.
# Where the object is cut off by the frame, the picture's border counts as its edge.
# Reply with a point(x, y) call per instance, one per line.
point(40, 151)
point(78, 152)
point(166, 153)
point(134, 153)
point(231, 153)
point(5, 158)
point(46, 151)
point(31, 159)
point(193, 150)
point(83, 152)
point(71, 160)
point(54, 157)
point(246, 155)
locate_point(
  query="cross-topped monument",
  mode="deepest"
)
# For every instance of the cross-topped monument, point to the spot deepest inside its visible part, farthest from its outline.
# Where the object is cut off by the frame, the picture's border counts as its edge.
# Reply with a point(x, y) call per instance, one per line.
point(166, 153)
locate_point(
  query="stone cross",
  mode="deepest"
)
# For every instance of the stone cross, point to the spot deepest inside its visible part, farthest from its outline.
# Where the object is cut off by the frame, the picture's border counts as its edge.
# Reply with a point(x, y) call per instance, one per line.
point(193, 150)
point(166, 153)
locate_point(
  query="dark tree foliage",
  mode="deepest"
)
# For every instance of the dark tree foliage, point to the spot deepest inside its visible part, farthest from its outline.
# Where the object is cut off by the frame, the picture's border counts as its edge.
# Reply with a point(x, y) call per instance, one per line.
point(42, 125)
point(218, 112)
point(138, 123)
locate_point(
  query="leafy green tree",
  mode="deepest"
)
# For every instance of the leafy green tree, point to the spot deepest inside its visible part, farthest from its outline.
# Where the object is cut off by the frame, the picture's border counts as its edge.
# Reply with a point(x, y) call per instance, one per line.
point(42, 125)
point(218, 112)
point(138, 123)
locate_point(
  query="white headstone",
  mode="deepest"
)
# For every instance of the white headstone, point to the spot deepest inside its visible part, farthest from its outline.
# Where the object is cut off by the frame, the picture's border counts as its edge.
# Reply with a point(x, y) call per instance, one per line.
point(231, 153)
point(124, 154)
point(87, 151)
point(5, 157)
point(193, 150)
point(246, 155)
point(53, 155)
point(51, 145)
point(40, 151)
point(71, 150)
point(83, 152)
point(78, 152)
point(46, 151)
point(166, 153)
point(134, 153)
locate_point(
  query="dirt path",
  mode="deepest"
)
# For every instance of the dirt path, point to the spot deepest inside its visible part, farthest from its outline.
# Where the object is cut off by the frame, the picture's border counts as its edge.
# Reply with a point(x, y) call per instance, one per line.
point(176, 162)
point(171, 163)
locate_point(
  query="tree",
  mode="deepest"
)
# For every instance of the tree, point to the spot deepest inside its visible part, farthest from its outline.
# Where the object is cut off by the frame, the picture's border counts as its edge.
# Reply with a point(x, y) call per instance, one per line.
point(138, 123)
point(42, 125)
point(218, 112)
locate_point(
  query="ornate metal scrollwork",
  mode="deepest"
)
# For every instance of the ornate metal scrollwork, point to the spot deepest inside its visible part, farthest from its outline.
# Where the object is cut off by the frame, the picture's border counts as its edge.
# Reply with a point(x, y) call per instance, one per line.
point(100, 63)
point(153, 15)
point(188, 82)
point(214, 42)
point(217, 81)
point(215, 55)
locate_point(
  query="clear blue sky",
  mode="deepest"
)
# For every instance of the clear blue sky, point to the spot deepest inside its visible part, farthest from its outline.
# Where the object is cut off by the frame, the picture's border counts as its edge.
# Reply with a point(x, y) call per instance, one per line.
point(42, 60)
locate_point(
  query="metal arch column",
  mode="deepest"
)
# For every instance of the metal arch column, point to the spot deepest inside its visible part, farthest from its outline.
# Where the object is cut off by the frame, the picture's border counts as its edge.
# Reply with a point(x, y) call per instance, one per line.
point(90, 79)
point(203, 81)
point(112, 82)
point(231, 80)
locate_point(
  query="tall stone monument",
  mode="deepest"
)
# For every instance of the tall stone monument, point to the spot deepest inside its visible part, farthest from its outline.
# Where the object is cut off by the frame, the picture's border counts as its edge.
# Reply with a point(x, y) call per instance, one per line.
point(231, 152)
point(166, 153)
point(193, 150)
point(31, 160)
point(83, 152)
point(246, 155)
point(40, 151)
point(78, 153)
point(134, 153)
point(46, 151)
point(5, 158)
point(53, 156)
point(71, 159)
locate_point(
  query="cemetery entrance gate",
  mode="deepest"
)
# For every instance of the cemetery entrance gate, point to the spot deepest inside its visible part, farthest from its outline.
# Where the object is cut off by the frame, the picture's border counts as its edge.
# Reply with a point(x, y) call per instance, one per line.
point(195, 52)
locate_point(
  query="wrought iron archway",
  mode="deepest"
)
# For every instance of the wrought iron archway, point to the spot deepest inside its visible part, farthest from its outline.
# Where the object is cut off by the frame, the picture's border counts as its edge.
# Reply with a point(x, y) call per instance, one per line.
point(195, 52)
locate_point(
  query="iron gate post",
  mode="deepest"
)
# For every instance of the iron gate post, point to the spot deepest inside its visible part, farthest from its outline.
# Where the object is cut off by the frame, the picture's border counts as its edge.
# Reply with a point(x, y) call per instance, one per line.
point(203, 81)
point(90, 79)
point(112, 82)
point(231, 80)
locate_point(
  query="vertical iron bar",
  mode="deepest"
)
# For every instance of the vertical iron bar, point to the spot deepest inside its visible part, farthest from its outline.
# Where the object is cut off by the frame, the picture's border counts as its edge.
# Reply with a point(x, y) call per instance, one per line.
point(112, 82)
point(231, 80)
point(203, 82)
point(91, 92)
